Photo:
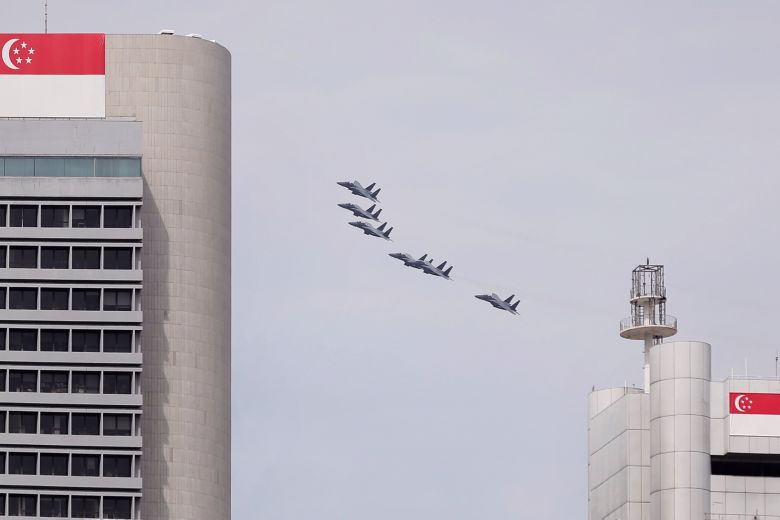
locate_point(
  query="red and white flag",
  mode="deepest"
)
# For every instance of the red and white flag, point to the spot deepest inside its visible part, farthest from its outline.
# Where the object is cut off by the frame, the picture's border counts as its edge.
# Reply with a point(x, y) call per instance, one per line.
point(53, 75)
point(754, 414)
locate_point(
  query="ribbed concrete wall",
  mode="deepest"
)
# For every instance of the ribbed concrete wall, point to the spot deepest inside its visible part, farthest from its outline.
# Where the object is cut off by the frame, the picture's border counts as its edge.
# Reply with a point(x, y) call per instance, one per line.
point(680, 430)
point(179, 88)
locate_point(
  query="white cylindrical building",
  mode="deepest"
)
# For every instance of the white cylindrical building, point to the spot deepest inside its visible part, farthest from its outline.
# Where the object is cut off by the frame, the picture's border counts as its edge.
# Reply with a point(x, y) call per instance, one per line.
point(679, 430)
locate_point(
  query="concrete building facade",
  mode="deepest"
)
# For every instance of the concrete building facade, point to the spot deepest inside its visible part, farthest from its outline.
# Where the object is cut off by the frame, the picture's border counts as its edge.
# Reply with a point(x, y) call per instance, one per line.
point(115, 344)
point(685, 447)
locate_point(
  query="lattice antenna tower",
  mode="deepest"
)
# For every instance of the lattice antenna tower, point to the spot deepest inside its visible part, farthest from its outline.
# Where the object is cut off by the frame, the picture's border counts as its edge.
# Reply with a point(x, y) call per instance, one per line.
point(648, 321)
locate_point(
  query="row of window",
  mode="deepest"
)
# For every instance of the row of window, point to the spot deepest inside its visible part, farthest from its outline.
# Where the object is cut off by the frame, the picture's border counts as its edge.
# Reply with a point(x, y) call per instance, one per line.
point(68, 423)
point(63, 299)
point(64, 340)
point(64, 216)
point(70, 166)
point(64, 464)
point(64, 257)
point(64, 381)
point(56, 506)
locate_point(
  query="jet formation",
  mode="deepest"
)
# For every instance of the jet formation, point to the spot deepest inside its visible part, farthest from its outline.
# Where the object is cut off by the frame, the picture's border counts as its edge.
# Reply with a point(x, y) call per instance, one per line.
point(423, 263)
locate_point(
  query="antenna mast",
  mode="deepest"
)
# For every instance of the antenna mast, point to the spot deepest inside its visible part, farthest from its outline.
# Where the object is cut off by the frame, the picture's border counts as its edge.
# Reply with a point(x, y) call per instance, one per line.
point(648, 321)
point(46, 16)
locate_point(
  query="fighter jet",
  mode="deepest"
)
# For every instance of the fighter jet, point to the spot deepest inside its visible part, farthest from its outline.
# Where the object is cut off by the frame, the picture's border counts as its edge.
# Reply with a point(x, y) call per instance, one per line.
point(360, 212)
point(360, 191)
point(368, 229)
point(410, 261)
point(498, 303)
point(429, 268)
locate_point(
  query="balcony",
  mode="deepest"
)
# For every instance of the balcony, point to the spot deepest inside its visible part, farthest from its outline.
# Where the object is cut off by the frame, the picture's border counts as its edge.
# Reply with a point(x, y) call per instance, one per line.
point(646, 327)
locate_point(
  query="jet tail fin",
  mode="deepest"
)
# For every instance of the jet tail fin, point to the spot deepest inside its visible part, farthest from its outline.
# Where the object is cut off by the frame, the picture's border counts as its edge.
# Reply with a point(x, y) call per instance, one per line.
point(387, 233)
point(376, 192)
point(369, 210)
point(382, 227)
point(509, 300)
point(514, 307)
point(441, 265)
point(376, 215)
point(422, 258)
point(371, 186)
point(447, 272)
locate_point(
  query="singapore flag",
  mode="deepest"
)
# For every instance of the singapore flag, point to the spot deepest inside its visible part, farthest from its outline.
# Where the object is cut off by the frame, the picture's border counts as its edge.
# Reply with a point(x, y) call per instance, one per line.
point(53, 75)
point(754, 414)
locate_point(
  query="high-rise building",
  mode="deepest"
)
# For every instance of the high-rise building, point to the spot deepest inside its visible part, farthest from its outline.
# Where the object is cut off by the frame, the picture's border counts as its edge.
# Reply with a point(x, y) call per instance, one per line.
point(115, 348)
point(684, 447)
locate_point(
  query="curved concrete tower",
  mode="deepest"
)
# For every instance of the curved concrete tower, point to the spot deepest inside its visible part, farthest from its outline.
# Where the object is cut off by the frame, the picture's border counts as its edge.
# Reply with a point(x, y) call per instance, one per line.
point(179, 89)
point(679, 430)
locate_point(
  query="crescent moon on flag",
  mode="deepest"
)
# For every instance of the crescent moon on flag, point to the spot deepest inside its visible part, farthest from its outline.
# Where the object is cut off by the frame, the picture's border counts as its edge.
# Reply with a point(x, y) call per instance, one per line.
point(736, 403)
point(7, 52)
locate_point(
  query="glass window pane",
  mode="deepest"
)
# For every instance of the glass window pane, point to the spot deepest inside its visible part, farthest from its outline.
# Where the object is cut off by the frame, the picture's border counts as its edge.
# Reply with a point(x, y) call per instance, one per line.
point(54, 382)
point(117, 258)
point(22, 422)
point(23, 298)
point(54, 423)
point(86, 383)
point(118, 217)
point(85, 465)
point(86, 216)
point(117, 167)
point(22, 505)
point(54, 299)
point(79, 167)
point(86, 300)
point(54, 257)
point(49, 166)
point(23, 257)
point(54, 506)
point(24, 216)
point(25, 340)
point(86, 341)
point(19, 167)
point(86, 258)
point(86, 424)
point(54, 340)
point(54, 216)
point(85, 507)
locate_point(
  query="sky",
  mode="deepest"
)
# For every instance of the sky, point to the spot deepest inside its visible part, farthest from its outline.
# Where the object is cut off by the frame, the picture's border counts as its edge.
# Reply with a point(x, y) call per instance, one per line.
point(543, 149)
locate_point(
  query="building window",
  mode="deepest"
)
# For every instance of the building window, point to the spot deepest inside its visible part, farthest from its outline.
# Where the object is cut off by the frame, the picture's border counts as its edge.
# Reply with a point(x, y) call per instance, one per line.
point(2, 471)
point(54, 216)
point(118, 217)
point(19, 167)
point(22, 422)
point(54, 299)
point(2, 389)
point(116, 465)
point(118, 258)
point(22, 505)
point(54, 423)
point(117, 299)
point(22, 381)
point(85, 424)
point(23, 298)
point(23, 339)
point(85, 466)
point(3, 210)
point(22, 463)
point(86, 300)
point(86, 258)
point(85, 507)
point(54, 506)
point(54, 257)
point(117, 167)
point(24, 257)
point(86, 216)
point(86, 383)
point(55, 382)
point(54, 464)
point(24, 216)
point(116, 507)
point(3, 250)
point(117, 424)
point(117, 382)
point(86, 341)
point(117, 341)
point(54, 340)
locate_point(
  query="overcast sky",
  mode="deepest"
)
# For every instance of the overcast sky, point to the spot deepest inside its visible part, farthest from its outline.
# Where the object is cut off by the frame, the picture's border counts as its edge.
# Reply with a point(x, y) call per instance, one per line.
point(544, 149)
